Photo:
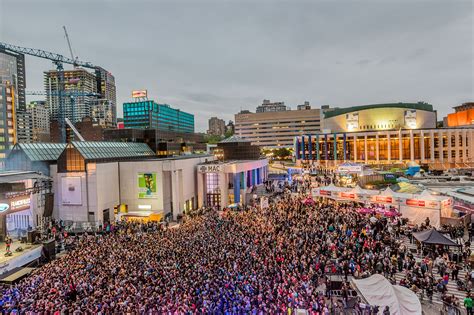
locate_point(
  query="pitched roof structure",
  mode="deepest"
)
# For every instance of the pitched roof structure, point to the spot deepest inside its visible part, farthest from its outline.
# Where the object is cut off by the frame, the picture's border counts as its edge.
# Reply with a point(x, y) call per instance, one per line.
point(41, 151)
point(101, 150)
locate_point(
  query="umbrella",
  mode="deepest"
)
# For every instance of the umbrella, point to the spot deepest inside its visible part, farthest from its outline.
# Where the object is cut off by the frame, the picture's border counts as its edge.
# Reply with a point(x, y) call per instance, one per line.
point(364, 211)
point(308, 201)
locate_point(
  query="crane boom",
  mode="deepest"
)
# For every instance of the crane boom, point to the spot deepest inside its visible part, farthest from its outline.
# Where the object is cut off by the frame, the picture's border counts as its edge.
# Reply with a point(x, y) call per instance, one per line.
point(69, 44)
point(56, 58)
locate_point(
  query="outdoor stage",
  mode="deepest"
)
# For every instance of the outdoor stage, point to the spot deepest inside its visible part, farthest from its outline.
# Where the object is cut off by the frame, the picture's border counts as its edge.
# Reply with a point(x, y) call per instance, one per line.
point(30, 253)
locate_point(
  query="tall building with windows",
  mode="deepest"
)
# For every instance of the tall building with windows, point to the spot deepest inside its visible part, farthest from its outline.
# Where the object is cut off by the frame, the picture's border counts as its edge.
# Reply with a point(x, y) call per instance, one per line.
point(104, 110)
point(77, 84)
point(7, 120)
point(216, 126)
point(148, 114)
point(12, 70)
point(268, 106)
point(270, 129)
point(39, 115)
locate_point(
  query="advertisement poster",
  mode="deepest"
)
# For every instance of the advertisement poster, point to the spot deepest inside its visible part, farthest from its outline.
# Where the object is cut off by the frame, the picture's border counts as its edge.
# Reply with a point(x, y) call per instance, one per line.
point(410, 118)
point(71, 191)
point(352, 121)
point(147, 186)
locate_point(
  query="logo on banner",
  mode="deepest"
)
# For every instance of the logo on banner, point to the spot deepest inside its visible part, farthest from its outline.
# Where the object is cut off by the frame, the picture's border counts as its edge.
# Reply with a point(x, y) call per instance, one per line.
point(347, 195)
point(4, 207)
point(325, 193)
point(383, 199)
point(415, 202)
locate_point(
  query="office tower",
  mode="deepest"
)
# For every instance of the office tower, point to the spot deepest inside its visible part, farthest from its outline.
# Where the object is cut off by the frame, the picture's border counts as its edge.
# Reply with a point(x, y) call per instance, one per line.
point(216, 126)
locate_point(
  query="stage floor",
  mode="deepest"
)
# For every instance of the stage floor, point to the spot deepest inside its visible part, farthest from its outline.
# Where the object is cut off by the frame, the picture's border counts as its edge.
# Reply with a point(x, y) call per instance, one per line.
point(30, 253)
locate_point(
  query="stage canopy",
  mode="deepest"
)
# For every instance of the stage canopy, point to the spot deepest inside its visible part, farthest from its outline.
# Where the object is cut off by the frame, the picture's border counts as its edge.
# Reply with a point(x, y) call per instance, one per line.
point(434, 237)
point(377, 290)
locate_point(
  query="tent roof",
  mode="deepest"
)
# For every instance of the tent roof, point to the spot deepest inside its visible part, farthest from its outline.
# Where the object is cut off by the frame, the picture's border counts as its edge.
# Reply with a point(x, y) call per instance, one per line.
point(377, 290)
point(358, 190)
point(433, 237)
point(332, 187)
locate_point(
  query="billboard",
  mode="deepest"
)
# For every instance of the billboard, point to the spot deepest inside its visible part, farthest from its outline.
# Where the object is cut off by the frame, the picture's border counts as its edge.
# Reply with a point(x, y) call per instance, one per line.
point(410, 118)
point(352, 121)
point(147, 186)
point(71, 189)
point(139, 93)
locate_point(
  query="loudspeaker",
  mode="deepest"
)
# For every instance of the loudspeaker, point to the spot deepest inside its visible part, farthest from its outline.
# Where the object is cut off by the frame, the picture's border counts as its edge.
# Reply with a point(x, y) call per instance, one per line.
point(31, 236)
point(48, 204)
point(49, 249)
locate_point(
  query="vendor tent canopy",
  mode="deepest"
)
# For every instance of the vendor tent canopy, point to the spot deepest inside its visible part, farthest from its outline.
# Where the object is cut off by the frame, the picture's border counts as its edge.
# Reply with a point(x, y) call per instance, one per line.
point(433, 237)
point(377, 290)
point(358, 190)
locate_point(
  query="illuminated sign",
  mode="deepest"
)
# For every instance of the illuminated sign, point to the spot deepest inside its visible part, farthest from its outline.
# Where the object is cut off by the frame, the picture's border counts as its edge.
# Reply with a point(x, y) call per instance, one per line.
point(139, 93)
point(352, 121)
point(325, 193)
point(20, 203)
point(144, 207)
point(384, 199)
point(4, 207)
point(410, 118)
point(209, 169)
point(415, 202)
point(347, 195)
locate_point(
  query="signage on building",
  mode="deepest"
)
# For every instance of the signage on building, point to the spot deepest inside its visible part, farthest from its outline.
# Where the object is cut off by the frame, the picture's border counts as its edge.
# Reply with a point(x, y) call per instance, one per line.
point(139, 93)
point(20, 203)
point(410, 118)
point(4, 207)
point(325, 192)
point(349, 168)
point(347, 195)
point(352, 121)
point(71, 190)
point(385, 199)
point(209, 168)
point(147, 186)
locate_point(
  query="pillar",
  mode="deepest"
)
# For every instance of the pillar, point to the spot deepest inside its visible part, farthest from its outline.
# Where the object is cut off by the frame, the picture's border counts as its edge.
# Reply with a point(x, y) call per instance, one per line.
point(456, 147)
point(201, 189)
point(224, 188)
point(355, 148)
point(297, 148)
point(432, 148)
point(412, 146)
point(310, 148)
point(303, 148)
point(450, 159)
point(422, 146)
point(335, 147)
point(317, 148)
point(464, 146)
point(344, 146)
point(237, 188)
point(441, 145)
point(389, 148)
point(326, 147)
point(366, 157)
point(377, 147)
point(400, 146)
point(175, 194)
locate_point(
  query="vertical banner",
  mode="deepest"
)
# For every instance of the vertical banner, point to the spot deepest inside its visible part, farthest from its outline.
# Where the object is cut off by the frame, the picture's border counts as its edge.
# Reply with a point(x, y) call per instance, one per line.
point(71, 190)
point(147, 186)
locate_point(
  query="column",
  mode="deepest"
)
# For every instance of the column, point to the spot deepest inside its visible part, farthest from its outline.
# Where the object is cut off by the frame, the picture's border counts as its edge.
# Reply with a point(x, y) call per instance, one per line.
point(441, 145)
point(355, 148)
point(326, 147)
point(237, 187)
point(297, 148)
point(470, 142)
point(303, 154)
point(310, 148)
point(432, 148)
point(456, 147)
point(464, 145)
point(254, 177)
point(174, 194)
point(243, 187)
point(450, 159)
point(377, 147)
point(389, 148)
point(366, 157)
point(422, 146)
point(224, 188)
point(317, 148)
point(412, 146)
point(344, 146)
point(201, 189)
point(335, 147)
point(400, 146)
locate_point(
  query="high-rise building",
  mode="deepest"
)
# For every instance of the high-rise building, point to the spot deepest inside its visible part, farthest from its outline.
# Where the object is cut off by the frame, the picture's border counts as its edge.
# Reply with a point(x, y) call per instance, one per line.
point(77, 83)
point(7, 120)
point(277, 128)
point(267, 106)
point(39, 116)
point(216, 126)
point(230, 128)
point(12, 70)
point(147, 114)
point(24, 127)
point(104, 110)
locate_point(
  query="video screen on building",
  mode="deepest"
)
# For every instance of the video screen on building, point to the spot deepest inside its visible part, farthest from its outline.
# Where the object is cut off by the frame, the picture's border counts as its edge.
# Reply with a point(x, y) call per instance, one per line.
point(352, 121)
point(147, 186)
point(410, 118)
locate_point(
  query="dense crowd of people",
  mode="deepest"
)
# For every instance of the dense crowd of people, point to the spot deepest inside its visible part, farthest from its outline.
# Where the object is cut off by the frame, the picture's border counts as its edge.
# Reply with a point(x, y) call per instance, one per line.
point(269, 261)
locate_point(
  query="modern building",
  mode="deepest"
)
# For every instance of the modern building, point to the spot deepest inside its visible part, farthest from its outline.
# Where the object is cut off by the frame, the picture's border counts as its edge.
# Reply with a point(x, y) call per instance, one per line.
point(80, 88)
point(24, 127)
point(235, 148)
point(104, 110)
point(86, 127)
point(163, 143)
point(463, 116)
point(374, 117)
point(147, 114)
point(8, 127)
point(271, 129)
point(40, 121)
point(221, 184)
point(268, 106)
point(216, 127)
point(36, 157)
point(12, 70)
point(92, 179)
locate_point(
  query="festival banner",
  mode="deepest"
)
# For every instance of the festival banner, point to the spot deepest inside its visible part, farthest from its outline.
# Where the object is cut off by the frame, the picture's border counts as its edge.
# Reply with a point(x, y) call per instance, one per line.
point(147, 186)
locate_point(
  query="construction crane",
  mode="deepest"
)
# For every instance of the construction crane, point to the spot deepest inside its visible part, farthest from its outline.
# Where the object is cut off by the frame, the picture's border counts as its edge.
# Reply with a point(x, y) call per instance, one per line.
point(69, 45)
point(58, 60)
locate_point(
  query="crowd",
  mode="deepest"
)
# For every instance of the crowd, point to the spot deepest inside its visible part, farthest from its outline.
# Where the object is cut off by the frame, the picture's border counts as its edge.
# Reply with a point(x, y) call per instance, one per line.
point(258, 261)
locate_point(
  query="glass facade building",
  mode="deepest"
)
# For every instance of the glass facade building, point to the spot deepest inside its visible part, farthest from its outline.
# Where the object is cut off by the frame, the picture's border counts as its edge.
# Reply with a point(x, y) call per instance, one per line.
point(150, 115)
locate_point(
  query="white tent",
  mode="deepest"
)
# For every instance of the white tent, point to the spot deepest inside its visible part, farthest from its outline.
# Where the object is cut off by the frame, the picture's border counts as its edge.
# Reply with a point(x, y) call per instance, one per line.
point(358, 190)
point(377, 290)
point(388, 192)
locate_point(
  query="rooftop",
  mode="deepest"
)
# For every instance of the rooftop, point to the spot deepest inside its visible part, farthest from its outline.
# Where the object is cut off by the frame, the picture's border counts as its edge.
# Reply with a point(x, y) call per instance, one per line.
point(340, 111)
point(234, 139)
point(41, 151)
point(101, 150)
point(15, 176)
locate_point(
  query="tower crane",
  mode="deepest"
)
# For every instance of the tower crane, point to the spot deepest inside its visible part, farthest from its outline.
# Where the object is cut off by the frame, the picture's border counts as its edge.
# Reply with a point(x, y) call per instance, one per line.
point(69, 45)
point(58, 60)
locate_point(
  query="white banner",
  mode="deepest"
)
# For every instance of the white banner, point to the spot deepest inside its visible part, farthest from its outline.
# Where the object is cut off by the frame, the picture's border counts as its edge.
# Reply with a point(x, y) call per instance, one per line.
point(71, 191)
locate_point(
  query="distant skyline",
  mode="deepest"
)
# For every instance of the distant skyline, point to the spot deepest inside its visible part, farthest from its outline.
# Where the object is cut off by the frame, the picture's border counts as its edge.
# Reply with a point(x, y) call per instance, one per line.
point(214, 58)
